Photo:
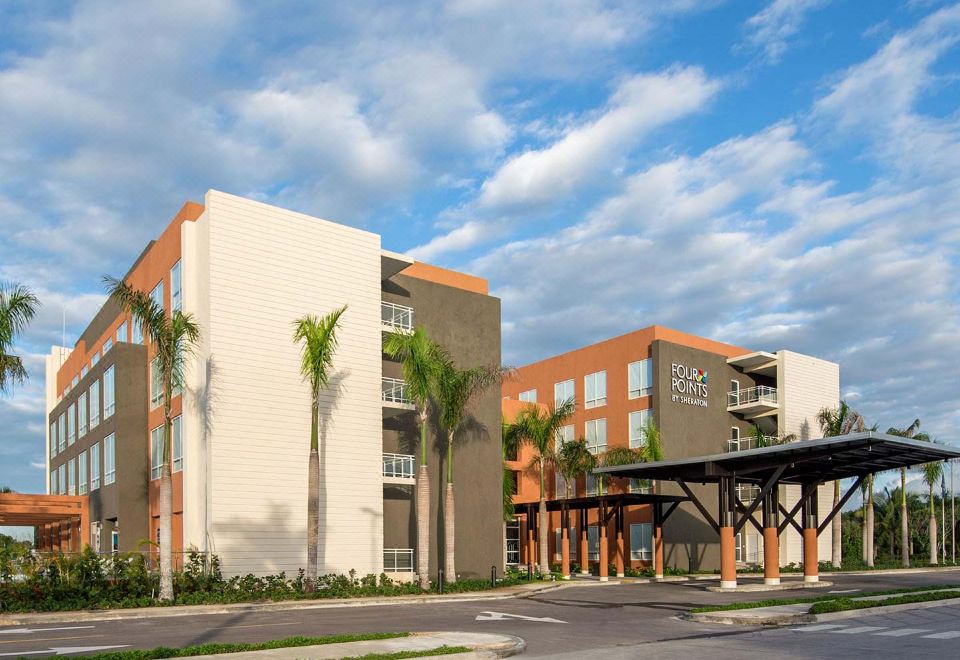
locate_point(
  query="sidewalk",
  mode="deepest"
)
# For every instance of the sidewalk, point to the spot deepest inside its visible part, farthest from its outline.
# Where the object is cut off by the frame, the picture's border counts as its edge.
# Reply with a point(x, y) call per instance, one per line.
point(484, 645)
point(517, 591)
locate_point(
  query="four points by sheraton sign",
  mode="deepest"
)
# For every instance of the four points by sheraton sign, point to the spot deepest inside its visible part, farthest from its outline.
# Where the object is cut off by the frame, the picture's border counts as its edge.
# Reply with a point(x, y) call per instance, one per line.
point(689, 385)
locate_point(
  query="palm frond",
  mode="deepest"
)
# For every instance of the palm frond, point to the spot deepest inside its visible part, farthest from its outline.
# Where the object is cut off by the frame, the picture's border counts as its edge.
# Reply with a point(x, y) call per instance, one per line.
point(18, 306)
point(421, 359)
point(317, 336)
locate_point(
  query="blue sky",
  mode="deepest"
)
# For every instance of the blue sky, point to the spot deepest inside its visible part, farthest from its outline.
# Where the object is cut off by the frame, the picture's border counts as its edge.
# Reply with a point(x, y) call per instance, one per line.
point(777, 174)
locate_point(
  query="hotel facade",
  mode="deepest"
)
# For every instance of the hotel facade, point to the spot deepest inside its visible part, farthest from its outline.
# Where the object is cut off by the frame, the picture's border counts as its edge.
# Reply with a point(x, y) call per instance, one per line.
point(705, 398)
point(245, 271)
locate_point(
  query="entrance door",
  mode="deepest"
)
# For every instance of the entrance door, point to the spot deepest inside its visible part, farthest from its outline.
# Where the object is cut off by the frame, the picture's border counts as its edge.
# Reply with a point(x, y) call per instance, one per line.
point(512, 541)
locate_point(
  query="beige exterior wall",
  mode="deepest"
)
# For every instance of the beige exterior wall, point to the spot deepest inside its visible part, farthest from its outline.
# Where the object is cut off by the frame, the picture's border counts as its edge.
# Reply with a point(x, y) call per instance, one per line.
point(52, 363)
point(248, 422)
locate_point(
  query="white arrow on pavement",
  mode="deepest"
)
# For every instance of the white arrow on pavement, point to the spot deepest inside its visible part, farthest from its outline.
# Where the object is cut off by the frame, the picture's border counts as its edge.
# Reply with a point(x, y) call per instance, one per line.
point(64, 650)
point(27, 631)
point(503, 616)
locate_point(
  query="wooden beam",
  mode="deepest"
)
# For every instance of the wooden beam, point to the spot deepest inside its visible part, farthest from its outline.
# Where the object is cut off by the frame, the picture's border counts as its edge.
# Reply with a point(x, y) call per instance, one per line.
point(696, 502)
point(747, 517)
point(764, 491)
point(788, 516)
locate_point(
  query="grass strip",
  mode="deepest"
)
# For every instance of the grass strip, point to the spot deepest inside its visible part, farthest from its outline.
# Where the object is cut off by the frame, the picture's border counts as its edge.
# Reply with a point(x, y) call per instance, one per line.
point(441, 650)
point(843, 604)
point(217, 648)
point(773, 602)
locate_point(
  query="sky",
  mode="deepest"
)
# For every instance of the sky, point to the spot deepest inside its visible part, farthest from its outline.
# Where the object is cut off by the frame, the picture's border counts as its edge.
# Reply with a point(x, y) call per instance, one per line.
point(774, 174)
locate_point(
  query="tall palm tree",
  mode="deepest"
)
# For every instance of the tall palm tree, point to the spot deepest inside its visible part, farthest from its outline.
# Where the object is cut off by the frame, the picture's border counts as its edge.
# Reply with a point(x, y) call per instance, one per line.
point(17, 308)
point(317, 337)
point(908, 432)
point(173, 338)
point(421, 360)
point(508, 448)
point(833, 422)
point(538, 427)
point(932, 473)
point(456, 388)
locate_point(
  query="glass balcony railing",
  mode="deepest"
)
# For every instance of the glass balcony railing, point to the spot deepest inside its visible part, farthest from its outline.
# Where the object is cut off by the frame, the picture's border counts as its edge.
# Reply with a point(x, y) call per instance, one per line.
point(761, 394)
point(751, 442)
point(398, 466)
point(394, 390)
point(397, 317)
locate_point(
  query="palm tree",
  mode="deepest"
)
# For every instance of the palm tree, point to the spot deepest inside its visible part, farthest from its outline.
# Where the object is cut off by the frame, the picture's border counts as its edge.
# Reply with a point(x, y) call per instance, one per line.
point(421, 360)
point(6, 489)
point(932, 473)
point(833, 422)
point(455, 389)
point(617, 456)
point(539, 427)
point(573, 459)
point(652, 442)
point(318, 339)
point(17, 308)
point(908, 432)
point(174, 338)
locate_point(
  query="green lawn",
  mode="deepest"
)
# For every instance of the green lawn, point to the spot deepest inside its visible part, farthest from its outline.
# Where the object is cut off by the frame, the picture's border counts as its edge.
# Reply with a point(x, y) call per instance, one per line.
point(819, 599)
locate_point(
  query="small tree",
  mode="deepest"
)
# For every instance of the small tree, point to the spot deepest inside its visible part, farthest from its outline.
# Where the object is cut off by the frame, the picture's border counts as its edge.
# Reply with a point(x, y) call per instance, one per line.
point(317, 337)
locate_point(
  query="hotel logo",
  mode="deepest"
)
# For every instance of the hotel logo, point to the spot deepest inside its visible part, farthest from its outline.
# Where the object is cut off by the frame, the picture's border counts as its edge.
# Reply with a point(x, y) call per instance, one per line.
point(689, 385)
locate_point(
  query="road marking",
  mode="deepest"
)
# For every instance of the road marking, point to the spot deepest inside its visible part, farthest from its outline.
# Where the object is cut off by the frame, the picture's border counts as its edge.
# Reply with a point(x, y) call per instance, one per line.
point(950, 634)
point(903, 632)
point(255, 625)
point(64, 650)
point(858, 629)
point(27, 631)
point(48, 639)
point(843, 591)
point(818, 628)
point(504, 616)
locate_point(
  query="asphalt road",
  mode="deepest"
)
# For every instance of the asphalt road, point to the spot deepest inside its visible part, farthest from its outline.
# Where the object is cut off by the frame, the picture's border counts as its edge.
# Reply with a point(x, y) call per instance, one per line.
point(630, 620)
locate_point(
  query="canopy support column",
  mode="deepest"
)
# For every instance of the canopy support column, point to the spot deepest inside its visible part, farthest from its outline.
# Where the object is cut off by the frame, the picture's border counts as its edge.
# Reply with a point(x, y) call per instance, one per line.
point(811, 562)
point(771, 538)
point(604, 542)
point(728, 551)
point(657, 541)
point(584, 544)
point(619, 559)
point(565, 543)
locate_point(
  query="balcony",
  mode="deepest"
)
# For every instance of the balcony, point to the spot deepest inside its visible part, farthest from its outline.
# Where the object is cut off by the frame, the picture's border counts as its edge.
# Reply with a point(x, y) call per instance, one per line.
point(750, 442)
point(753, 401)
point(398, 560)
point(393, 394)
point(398, 468)
point(394, 317)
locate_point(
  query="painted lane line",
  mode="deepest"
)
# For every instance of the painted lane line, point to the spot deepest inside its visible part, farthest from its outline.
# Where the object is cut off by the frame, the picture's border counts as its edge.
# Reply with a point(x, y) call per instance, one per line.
point(903, 632)
point(504, 616)
point(950, 634)
point(843, 591)
point(37, 640)
point(65, 650)
point(27, 631)
point(858, 629)
point(818, 628)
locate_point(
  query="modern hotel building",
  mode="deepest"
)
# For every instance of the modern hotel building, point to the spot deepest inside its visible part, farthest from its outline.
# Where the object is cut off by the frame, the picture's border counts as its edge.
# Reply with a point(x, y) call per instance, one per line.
point(245, 271)
point(705, 398)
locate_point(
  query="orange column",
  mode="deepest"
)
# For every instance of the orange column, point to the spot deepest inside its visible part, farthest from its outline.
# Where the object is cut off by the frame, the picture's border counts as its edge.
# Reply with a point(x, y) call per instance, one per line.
point(619, 550)
point(811, 563)
point(657, 543)
point(771, 539)
point(604, 544)
point(564, 545)
point(85, 523)
point(584, 544)
point(728, 549)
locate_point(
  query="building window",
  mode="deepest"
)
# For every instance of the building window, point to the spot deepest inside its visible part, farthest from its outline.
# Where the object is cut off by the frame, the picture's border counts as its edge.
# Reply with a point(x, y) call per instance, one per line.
point(83, 371)
point(109, 403)
point(53, 482)
point(558, 543)
point(564, 434)
point(71, 424)
point(593, 542)
point(72, 477)
point(115, 540)
point(82, 469)
point(82, 415)
point(156, 452)
point(640, 377)
point(176, 301)
point(638, 427)
point(95, 466)
point(641, 486)
point(94, 359)
point(73, 383)
point(94, 404)
point(107, 345)
point(596, 434)
point(591, 483)
point(62, 479)
point(734, 444)
point(177, 431)
point(122, 333)
point(738, 541)
point(156, 383)
point(53, 439)
point(566, 489)
point(157, 294)
point(109, 460)
point(530, 396)
point(641, 541)
point(595, 386)
point(562, 392)
point(137, 332)
point(62, 435)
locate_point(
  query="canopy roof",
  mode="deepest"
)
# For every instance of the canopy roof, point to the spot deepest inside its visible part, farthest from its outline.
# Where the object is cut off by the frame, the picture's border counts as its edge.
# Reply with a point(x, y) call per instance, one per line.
point(18, 509)
point(806, 461)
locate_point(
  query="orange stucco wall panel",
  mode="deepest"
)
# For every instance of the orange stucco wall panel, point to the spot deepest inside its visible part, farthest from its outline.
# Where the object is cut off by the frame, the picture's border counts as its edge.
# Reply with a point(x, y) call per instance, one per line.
point(447, 277)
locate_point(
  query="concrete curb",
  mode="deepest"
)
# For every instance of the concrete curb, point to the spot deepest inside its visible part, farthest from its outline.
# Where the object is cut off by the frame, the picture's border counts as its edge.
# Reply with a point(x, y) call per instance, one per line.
point(885, 609)
point(33, 618)
point(791, 585)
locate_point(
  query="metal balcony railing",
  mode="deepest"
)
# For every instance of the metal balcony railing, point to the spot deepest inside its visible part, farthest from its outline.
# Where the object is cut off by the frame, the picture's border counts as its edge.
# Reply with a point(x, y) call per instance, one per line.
point(760, 394)
point(750, 442)
point(398, 317)
point(394, 390)
point(398, 560)
point(398, 466)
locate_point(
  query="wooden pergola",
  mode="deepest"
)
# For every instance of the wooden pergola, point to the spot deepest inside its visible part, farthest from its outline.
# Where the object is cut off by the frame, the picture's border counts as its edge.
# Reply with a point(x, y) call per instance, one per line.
point(62, 521)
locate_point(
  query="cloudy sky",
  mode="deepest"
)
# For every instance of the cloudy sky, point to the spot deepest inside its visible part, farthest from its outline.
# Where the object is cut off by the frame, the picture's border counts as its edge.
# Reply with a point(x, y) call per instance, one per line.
point(777, 174)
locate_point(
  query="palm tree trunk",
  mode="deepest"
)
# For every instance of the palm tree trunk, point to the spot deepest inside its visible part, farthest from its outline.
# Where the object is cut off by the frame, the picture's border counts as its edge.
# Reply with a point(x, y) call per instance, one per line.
point(871, 530)
point(934, 560)
point(449, 518)
point(542, 540)
point(836, 530)
point(166, 501)
point(904, 523)
point(313, 500)
point(864, 546)
point(423, 508)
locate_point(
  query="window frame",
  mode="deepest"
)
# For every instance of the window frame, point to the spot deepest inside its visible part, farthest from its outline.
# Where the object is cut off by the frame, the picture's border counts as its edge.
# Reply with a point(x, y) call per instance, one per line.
point(595, 449)
point(644, 372)
point(525, 396)
point(560, 387)
point(93, 397)
point(82, 414)
point(637, 442)
point(156, 446)
point(72, 476)
point(637, 550)
point(176, 286)
point(597, 399)
point(156, 384)
point(94, 466)
point(109, 404)
point(123, 332)
point(176, 439)
point(83, 483)
point(110, 467)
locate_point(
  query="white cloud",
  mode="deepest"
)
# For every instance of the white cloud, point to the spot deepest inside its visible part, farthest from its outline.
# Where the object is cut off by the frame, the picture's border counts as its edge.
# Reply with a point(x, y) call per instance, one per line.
point(772, 29)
